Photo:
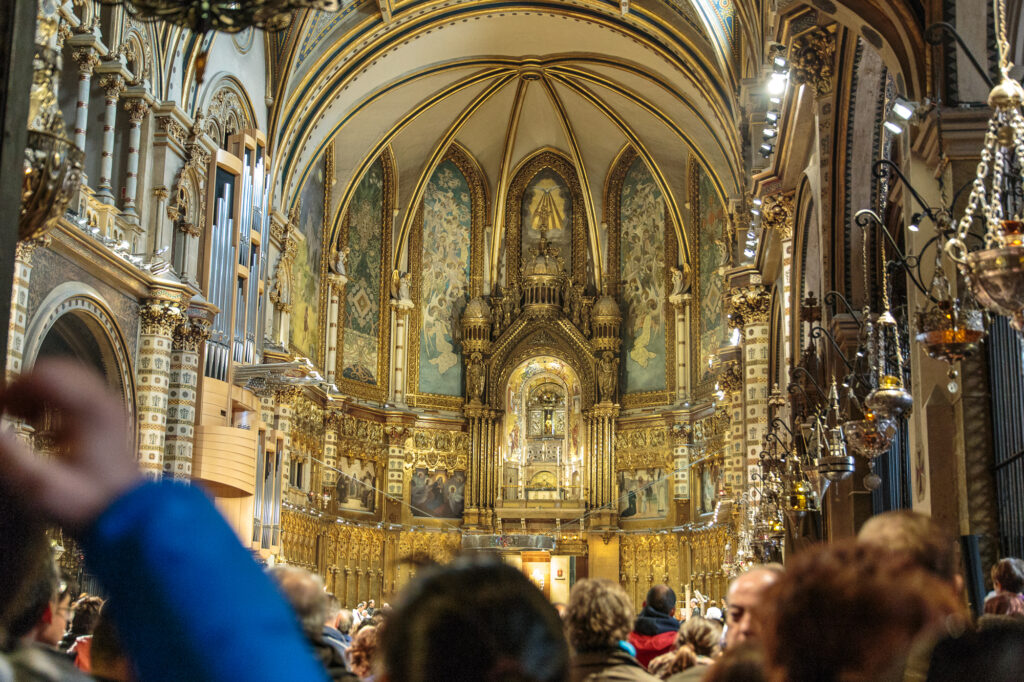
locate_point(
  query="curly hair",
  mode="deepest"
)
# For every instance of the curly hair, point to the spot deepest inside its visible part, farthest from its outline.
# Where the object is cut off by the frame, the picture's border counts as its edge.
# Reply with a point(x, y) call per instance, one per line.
point(363, 651)
point(855, 609)
point(1009, 573)
point(599, 615)
point(701, 634)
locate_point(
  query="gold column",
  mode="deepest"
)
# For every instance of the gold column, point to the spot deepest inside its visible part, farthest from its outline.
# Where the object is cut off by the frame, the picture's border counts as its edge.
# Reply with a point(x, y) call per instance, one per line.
point(189, 337)
point(158, 319)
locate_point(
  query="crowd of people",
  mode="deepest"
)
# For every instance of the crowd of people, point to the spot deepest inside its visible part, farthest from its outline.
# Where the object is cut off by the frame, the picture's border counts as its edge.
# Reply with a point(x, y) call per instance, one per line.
point(186, 602)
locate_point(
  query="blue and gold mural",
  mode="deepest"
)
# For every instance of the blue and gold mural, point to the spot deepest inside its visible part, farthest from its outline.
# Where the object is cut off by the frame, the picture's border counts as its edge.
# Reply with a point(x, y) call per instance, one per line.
point(361, 329)
point(642, 277)
point(447, 227)
point(711, 220)
point(306, 270)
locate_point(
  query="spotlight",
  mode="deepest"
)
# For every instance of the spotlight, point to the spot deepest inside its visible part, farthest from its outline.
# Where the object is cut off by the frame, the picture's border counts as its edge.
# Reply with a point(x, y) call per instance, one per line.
point(769, 133)
point(780, 64)
point(776, 84)
point(754, 211)
point(749, 253)
point(903, 108)
point(893, 128)
point(775, 100)
point(915, 220)
point(756, 201)
point(772, 115)
point(767, 149)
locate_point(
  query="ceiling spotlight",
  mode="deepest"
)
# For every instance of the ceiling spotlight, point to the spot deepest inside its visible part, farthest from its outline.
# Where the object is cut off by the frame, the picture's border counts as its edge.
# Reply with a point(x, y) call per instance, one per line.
point(772, 115)
point(775, 100)
point(756, 201)
point(893, 128)
point(903, 108)
point(767, 149)
point(915, 220)
point(749, 253)
point(769, 133)
point(776, 84)
point(754, 211)
point(780, 64)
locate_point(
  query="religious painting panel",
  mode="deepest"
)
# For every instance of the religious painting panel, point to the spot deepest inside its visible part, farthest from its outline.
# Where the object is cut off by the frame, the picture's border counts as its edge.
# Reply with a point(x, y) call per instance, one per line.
point(712, 222)
point(307, 269)
point(643, 494)
point(357, 484)
point(642, 276)
point(437, 493)
point(363, 304)
point(446, 246)
point(547, 210)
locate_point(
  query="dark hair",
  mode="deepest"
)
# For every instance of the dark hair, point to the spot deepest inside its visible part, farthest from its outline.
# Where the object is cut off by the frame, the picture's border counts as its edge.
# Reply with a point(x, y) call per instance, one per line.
point(993, 655)
point(106, 646)
point(86, 613)
point(743, 662)
point(1009, 573)
point(661, 598)
point(42, 587)
point(599, 615)
point(474, 620)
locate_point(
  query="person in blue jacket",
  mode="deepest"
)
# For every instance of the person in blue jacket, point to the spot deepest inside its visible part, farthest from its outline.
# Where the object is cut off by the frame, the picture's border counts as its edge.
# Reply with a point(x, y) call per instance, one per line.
point(188, 600)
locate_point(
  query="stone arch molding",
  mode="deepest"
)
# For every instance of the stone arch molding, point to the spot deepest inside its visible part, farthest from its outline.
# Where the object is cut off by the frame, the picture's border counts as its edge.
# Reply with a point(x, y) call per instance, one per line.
point(82, 299)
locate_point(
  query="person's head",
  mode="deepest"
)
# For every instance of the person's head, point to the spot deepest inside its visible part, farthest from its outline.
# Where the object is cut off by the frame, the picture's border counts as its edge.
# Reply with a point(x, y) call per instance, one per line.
point(993, 654)
point(84, 614)
point(919, 538)
point(1005, 604)
point(362, 653)
point(662, 599)
point(344, 620)
point(693, 603)
point(331, 617)
point(305, 592)
point(741, 663)
point(1008, 575)
point(744, 600)
point(109, 660)
point(701, 634)
point(514, 631)
point(44, 606)
point(371, 604)
point(600, 614)
point(856, 609)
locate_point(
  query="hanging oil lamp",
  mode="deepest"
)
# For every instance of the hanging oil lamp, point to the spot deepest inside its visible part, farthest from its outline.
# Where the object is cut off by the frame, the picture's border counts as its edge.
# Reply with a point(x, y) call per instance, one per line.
point(890, 399)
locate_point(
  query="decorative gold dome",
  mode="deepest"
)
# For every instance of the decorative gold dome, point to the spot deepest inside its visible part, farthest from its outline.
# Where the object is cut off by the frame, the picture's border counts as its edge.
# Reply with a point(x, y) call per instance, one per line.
point(543, 265)
point(477, 310)
point(606, 307)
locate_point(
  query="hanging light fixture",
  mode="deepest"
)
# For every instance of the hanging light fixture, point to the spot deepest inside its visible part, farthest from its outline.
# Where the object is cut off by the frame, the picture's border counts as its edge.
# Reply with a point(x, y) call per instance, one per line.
point(889, 399)
point(226, 16)
point(949, 329)
point(995, 273)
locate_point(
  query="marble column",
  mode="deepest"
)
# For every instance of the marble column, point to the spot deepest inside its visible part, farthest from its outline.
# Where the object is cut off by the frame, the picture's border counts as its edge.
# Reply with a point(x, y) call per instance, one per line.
point(189, 337)
point(19, 304)
point(113, 85)
point(87, 59)
point(750, 307)
point(138, 109)
point(401, 350)
point(158, 319)
point(336, 287)
point(681, 307)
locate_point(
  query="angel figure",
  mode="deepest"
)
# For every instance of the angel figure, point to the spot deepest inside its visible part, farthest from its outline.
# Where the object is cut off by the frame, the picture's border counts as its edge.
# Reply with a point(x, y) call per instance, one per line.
point(340, 261)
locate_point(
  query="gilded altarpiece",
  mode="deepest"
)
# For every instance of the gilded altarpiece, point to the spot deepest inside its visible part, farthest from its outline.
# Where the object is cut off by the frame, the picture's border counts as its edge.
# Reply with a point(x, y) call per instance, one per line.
point(437, 469)
point(711, 224)
point(361, 454)
point(642, 245)
point(643, 473)
point(545, 197)
point(446, 261)
point(364, 331)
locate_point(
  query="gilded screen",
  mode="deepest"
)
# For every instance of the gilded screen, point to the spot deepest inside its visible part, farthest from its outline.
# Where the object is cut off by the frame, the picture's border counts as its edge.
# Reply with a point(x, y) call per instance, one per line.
point(305, 318)
point(363, 293)
point(642, 273)
point(447, 223)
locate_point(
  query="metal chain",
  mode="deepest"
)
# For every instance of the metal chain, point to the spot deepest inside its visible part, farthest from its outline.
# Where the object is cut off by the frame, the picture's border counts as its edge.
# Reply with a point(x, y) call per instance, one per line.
point(1004, 44)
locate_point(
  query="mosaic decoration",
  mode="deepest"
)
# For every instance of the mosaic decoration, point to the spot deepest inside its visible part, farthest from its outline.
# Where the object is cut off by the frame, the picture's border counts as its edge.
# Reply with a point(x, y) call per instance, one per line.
point(711, 225)
point(437, 494)
point(447, 224)
point(547, 207)
point(362, 294)
point(357, 483)
point(643, 494)
point(642, 273)
point(306, 270)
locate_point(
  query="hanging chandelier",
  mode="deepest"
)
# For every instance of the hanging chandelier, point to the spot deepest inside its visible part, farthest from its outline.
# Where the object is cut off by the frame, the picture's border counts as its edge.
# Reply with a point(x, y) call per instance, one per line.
point(226, 16)
point(995, 273)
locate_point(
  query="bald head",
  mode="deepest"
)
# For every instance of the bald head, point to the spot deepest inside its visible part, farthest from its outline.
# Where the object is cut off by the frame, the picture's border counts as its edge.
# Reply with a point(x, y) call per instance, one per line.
point(744, 600)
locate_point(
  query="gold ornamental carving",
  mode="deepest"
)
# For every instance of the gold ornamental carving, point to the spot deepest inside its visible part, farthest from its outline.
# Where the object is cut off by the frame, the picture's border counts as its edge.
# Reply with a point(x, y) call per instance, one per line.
point(648, 448)
point(159, 318)
point(731, 378)
point(811, 56)
point(437, 449)
point(748, 305)
point(137, 108)
point(191, 334)
point(777, 214)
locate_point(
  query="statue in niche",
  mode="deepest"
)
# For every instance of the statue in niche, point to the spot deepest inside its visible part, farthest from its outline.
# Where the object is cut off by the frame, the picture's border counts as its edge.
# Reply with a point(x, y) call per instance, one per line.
point(680, 283)
point(607, 372)
point(340, 262)
point(475, 378)
point(401, 284)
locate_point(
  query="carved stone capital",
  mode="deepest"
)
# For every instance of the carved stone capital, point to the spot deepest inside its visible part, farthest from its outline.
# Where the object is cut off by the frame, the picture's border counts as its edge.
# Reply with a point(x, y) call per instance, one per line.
point(748, 305)
point(811, 56)
point(286, 394)
point(113, 85)
point(137, 109)
point(87, 60)
point(191, 334)
point(731, 378)
point(159, 317)
point(777, 214)
point(26, 247)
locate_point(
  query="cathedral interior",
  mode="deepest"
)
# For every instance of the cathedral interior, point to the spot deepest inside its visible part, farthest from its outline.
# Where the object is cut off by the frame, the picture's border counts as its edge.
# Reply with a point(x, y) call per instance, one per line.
point(646, 290)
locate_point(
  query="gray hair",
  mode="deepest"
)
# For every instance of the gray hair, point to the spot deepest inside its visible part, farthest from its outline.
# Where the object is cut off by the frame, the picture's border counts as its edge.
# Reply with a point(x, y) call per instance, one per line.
point(305, 592)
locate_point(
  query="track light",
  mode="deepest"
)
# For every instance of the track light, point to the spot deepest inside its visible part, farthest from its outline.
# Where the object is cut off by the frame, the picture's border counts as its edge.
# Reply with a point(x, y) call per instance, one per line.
point(893, 128)
point(772, 115)
point(767, 149)
point(903, 108)
point(756, 201)
point(780, 64)
point(776, 84)
point(769, 133)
